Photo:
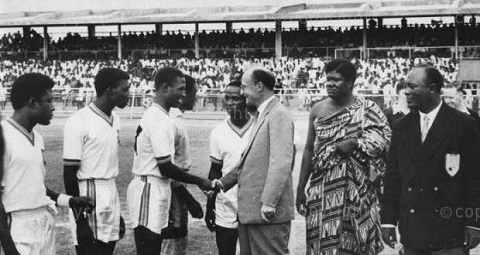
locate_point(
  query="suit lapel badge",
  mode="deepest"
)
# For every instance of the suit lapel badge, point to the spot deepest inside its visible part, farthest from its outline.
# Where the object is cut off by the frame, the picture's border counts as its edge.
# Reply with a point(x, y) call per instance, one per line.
point(452, 163)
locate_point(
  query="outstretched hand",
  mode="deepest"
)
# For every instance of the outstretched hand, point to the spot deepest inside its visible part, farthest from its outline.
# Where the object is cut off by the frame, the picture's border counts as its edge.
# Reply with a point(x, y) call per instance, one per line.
point(205, 184)
point(81, 203)
point(389, 236)
point(472, 238)
point(346, 146)
point(301, 203)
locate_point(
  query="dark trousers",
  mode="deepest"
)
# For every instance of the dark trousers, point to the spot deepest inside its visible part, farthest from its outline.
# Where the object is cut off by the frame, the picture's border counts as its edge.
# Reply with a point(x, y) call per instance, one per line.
point(264, 238)
point(96, 248)
point(226, 240)
point(453, 251)
point(147, 241)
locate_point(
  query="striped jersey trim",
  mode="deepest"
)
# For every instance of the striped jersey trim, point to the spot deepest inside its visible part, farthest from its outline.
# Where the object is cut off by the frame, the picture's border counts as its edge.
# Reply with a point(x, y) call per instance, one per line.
point(101, 114)
point(29, 135)
point(215, 160)
point(71, 162)
point(144, 203)
point(163, 160)
point(240, 131)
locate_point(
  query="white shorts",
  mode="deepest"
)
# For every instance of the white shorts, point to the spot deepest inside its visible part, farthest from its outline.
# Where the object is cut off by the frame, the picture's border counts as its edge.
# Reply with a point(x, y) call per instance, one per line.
point(33, 231)
point(149, 202)
point(105, 218)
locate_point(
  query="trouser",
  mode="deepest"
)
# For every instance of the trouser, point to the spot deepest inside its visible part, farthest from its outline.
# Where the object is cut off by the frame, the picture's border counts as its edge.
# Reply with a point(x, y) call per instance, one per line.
point(147, 242)
point(264, 238)
point(226, 240)
point(452, 251)
point(96, 248)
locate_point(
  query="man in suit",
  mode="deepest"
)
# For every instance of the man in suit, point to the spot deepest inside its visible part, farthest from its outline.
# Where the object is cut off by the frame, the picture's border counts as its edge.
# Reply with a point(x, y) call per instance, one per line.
point(455, 97)
point(264, 173)
point(432, 183)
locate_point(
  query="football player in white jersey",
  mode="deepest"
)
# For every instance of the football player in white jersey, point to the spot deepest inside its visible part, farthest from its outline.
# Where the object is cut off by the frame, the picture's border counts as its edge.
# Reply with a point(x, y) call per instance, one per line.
point(149, 193)
point(5, 238)
point(175, 241)
point(30, 205)
point(227, 142)
point(90, 155)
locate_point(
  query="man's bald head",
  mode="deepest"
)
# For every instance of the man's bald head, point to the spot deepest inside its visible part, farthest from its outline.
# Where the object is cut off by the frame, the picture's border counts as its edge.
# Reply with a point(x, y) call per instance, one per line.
point(263, 75)
point(257, 85)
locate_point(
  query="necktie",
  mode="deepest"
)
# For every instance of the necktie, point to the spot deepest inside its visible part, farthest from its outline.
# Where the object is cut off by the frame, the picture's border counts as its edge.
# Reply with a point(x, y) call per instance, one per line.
point(425, 127)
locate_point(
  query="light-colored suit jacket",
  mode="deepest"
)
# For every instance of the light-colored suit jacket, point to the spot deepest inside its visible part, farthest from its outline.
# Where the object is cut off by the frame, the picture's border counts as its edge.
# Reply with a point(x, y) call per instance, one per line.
point(264, 173)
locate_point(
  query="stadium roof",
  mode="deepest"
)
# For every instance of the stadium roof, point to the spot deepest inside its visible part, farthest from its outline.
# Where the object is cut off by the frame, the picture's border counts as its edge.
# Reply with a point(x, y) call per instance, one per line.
point(345, 9)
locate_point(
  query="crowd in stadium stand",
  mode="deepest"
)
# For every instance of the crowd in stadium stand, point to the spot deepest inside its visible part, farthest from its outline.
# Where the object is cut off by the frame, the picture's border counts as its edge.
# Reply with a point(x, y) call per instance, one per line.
point(303, 77)
point(378, 35)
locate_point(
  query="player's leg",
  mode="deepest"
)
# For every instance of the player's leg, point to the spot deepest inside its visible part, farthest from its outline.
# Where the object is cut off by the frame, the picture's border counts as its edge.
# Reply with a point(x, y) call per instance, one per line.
point(226, 240)
point(147, 242)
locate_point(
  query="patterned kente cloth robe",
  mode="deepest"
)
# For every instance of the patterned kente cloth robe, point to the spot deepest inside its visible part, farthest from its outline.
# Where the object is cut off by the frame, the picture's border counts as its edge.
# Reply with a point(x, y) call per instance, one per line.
point(342, 202)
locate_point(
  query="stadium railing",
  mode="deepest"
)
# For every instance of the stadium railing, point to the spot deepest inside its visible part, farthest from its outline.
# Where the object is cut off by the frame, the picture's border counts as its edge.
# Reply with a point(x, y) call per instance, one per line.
point(293, 99)
point(472, 51)
point(206, 52)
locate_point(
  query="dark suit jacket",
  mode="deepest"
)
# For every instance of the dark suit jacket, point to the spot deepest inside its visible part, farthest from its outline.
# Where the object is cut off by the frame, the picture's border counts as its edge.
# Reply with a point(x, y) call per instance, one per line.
point(431, 206)
point(475, 116)
point(264, 174)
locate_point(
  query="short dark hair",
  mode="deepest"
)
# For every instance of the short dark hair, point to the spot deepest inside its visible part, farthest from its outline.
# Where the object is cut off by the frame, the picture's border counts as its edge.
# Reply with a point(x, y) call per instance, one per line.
point(343, 67)
point(190, 84)
point(27, 86)
point(432, 75)
point(235, 83)
point(167, 75)
point(108, 78)
point(264, 77)
point(400, 86)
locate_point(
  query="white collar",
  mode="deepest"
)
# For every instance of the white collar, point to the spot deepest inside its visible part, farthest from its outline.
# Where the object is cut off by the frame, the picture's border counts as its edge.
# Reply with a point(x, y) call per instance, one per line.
point(464, 109)
point(263, 105)
point(432, 114)
point(159, 107)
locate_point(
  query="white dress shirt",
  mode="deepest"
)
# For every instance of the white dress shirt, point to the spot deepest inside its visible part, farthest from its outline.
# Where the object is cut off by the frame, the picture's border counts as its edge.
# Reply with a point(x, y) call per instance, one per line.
point(431, 118)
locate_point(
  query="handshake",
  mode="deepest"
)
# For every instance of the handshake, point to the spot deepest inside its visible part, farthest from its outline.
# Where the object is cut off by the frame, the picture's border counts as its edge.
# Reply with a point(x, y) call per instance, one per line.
point(208, 185)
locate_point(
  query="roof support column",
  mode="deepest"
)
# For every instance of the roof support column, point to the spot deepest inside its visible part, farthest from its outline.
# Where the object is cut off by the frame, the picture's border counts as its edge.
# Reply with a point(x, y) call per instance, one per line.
point(228, 27)
point(278, 38)
point(91, 31)
point(364, 54)
point(45, 43)
point(197, 42)
point(119, 29)
point(456, 39)
point(26, 31)
point(302, 25)
point(159, 28)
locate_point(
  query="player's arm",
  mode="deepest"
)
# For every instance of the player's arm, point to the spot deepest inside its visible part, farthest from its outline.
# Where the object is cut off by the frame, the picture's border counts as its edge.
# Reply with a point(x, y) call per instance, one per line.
point(69, 201)
point(5, 238)
point(215, 173)
point(70, 180)
point(306, 167)
point(172, 171)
